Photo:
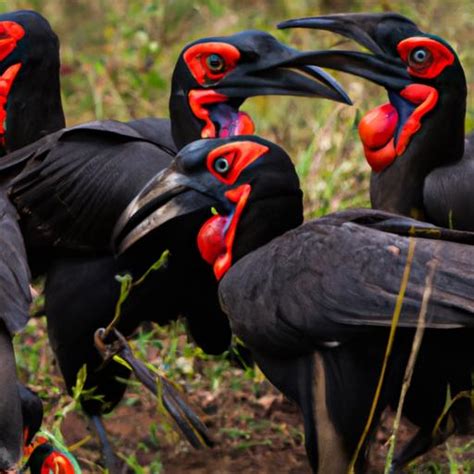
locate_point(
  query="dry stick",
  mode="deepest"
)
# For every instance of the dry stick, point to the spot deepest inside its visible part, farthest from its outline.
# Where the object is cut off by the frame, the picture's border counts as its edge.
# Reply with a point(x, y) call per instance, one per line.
point(388, 350)
point(420, 330)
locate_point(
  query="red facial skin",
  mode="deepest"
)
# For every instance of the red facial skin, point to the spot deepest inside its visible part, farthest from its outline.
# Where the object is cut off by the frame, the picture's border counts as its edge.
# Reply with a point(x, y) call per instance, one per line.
point(55, 462)
point(10, 34)
point(239, 155)
point(6, 82)
point(216, 237)
point(214, 242)
point(197, 101)
point(441, 57)
point(377, 128)
point(196, 59)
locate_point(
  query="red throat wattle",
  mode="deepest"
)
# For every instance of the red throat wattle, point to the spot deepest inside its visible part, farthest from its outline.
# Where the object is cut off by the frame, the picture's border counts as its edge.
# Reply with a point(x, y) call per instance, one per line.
point(6, 82)
point(378, 127)
point(10, 34)
point(58, 464)
point(241, 124)
point(216, 237)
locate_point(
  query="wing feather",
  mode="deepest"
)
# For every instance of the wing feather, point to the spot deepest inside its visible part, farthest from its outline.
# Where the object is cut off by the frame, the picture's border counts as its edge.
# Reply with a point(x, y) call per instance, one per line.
point(339, 276)
point(74, 187)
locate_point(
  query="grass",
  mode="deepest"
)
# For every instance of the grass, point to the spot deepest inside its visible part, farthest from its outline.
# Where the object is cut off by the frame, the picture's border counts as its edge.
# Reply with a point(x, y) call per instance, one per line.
point(117, 59)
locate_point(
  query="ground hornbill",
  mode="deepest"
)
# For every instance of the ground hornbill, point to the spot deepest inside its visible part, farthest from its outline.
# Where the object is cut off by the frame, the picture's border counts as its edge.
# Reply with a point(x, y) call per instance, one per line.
point(72, 185)
point(186, 286)
point(30, 107)
point(41, 456)
point(315, 305)
point(421, 163)
point(414, 144)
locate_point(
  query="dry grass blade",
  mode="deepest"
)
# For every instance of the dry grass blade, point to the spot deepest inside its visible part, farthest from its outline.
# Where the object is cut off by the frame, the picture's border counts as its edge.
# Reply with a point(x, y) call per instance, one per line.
point(388, 350)
point(420, 330)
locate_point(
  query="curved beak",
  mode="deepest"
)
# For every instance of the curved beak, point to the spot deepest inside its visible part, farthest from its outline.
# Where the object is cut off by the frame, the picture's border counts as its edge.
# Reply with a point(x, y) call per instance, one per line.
point(279, 72)
point(379, 67)
point(167, 196)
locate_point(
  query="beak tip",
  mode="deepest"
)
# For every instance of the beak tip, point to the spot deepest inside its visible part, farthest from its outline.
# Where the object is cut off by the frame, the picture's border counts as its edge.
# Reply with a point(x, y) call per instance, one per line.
point(347, 100)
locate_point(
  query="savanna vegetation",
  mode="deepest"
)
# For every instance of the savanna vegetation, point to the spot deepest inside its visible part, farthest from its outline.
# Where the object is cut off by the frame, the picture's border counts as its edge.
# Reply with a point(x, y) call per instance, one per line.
point(117, 60)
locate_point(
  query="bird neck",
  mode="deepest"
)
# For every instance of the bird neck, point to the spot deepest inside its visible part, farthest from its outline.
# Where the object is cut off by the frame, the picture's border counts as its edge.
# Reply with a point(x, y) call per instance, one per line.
point(439, 142)
point(185, 127)
point(33, 108)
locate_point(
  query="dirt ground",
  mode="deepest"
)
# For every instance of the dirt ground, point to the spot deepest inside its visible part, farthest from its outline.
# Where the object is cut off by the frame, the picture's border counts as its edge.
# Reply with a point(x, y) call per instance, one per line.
point(254, 433)
point(255, 429)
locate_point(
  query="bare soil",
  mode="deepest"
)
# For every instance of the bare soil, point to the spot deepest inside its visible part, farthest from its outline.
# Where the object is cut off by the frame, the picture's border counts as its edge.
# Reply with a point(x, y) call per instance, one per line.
point(254, 433)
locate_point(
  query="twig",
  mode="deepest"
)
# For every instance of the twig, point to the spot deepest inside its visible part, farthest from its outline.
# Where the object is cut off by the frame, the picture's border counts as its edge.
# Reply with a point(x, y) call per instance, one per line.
point(420, 330)
point(388, 350)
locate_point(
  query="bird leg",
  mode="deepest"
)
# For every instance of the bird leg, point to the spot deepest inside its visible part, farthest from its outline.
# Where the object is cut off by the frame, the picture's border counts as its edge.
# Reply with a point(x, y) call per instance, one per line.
point(111, 461)
point(185, 417)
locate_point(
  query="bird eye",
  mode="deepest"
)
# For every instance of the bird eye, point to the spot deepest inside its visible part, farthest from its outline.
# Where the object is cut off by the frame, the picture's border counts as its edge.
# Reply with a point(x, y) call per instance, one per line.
point(420, 57)
point(215, 63)
point(221, 165)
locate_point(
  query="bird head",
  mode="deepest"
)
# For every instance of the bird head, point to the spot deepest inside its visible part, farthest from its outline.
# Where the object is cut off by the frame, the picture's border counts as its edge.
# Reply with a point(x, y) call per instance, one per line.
point(30, 101)
point(43, 458)
point(214, 76)
point(423, 77)
point(214, 192)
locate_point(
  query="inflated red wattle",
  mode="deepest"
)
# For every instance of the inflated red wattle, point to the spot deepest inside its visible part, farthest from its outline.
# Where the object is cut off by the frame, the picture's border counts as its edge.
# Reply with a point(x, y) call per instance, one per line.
point(378, 126)
point(242, 126)
point(381, 158)
point(376, 130)
point(210, 238)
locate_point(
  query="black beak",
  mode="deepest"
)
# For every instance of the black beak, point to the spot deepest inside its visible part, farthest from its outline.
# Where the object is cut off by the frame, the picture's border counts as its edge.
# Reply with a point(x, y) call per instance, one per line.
point(167, 196)
point(381, 68)
point(280, 73)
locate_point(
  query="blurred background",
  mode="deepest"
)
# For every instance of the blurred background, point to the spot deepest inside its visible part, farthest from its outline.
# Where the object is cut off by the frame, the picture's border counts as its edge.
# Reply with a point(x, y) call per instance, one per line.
point(118, 56)
point(117, 59)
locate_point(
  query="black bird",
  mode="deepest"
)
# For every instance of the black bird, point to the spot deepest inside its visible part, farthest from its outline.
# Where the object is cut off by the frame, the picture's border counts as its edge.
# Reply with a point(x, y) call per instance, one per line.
point(15, 298)
point(187, 286)
point(317, 322)
point(421, 167)
point(318, 325)
point(30, 107)
point(71, 186)
point(30, 100)
point(42, 455)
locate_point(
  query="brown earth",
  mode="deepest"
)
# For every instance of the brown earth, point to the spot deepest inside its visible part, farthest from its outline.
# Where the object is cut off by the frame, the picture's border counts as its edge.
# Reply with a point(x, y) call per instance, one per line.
point(253, 434)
